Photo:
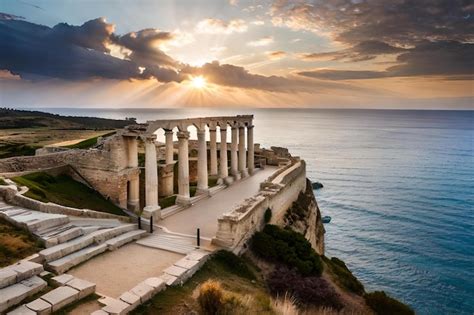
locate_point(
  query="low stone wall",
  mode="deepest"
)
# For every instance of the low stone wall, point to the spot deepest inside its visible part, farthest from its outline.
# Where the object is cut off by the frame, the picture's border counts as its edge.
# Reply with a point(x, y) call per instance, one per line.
point(12, 196)
point(276, 193)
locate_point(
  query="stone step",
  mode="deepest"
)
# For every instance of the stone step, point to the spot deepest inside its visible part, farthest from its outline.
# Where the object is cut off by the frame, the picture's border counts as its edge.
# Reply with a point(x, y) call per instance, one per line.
point(171, 210)
point(214, 190)
point(19, 271)
point(97, 237)
point(65, 263)
point(35, 220)
point(62, 236)
point(18, 292)
point(123, 239)
point(169, 242)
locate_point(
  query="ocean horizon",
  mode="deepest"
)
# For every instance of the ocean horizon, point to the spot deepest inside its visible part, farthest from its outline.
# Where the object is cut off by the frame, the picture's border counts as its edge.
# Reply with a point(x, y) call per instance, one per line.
point(398, 184)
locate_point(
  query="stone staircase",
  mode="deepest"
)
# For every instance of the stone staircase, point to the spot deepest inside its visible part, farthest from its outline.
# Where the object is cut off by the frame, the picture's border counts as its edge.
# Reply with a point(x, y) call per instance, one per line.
point(19, 282)
point(169, 241)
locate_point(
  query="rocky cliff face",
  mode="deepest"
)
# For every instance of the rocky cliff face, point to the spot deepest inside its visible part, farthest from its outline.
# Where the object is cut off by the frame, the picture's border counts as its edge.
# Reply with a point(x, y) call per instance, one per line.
point(304, 217)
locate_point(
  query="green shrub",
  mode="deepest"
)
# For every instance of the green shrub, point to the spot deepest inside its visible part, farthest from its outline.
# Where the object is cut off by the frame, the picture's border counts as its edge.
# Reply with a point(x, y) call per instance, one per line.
point(268, 215)
point(287, 247)
point(234, 263)
point(343, 276)
point(382, 304)
point(2, 182)
point(167, 201)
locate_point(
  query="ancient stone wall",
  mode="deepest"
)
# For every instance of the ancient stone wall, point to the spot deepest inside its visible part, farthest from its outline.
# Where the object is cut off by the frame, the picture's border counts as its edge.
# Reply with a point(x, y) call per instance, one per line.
point(237, 226)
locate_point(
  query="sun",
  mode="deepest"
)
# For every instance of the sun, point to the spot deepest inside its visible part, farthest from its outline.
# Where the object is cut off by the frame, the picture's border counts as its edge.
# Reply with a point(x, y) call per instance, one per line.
point(198, 82)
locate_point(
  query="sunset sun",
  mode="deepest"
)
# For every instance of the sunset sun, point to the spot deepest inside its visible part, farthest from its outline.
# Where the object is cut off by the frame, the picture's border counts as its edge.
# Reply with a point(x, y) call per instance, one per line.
point(198, 82)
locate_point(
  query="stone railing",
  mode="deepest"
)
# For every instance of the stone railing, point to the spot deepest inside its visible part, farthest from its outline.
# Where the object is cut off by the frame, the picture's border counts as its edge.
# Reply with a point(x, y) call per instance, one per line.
point(277, 193)
point(15, 197)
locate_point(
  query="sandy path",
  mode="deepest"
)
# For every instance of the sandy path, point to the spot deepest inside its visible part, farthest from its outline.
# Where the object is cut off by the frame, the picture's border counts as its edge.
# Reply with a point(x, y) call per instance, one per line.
point(118, 271)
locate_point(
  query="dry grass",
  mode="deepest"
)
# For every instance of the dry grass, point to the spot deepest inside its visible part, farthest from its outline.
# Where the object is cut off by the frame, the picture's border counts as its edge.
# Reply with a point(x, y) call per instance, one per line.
point(285, 305)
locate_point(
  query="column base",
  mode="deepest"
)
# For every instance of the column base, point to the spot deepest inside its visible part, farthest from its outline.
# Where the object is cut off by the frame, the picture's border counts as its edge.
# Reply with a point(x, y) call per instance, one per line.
point(251, 171)
point(229, 180)
point(236, 176)
point(183, 200)
point(244, 173)
point(203, 191)
point(133, 205)
point(150, 211)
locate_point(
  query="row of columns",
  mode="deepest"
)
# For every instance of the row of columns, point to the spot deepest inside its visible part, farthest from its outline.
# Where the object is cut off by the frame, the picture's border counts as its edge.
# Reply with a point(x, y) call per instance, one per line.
point(242, 163)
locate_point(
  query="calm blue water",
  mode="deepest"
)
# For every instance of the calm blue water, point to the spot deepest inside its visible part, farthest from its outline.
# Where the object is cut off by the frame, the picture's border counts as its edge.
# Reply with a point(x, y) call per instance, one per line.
point(399, 186)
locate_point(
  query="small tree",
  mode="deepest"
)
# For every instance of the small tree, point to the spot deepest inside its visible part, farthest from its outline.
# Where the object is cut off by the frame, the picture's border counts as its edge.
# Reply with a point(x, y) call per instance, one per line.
point(268, 215)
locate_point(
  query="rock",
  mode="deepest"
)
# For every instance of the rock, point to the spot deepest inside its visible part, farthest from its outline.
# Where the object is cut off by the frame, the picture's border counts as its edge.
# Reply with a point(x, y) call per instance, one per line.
point(317, 185)
point(7, 277)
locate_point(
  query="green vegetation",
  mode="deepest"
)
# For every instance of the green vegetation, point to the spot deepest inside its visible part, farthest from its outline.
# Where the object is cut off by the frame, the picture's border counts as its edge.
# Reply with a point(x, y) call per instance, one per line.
point(167, 201)
point(213, 299)
point(382, 304)
point(88, 143)
point(343, 276)
point(212, 181)
point(15, 244)
point(3, 182)
point(65, 191)
point(268, 215)
point(290, 248)
point(10, 149)
point(247, 295)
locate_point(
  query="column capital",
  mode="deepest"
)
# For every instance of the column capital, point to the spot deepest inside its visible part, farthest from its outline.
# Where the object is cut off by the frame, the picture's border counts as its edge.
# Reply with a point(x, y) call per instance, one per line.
point(212, 130)
point(168, 131)
point(250, 126)
point(201, 132)
point(183, 134)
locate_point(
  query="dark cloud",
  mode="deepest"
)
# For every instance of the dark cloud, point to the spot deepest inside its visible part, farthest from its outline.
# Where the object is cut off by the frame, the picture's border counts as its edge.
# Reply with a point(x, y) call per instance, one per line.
point(430, 36)
point(234, 76)
point(442, 58)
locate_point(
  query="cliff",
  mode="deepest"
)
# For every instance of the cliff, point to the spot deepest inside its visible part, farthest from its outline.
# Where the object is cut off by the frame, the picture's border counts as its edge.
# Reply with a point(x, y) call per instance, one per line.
point(304, 217)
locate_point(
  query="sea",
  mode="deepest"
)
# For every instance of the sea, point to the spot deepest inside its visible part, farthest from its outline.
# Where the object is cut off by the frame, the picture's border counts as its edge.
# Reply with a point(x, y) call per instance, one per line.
point(398, 185)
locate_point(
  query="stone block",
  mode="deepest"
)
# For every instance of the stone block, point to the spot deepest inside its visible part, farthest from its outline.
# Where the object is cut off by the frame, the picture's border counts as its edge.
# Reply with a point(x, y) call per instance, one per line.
point(7, 277)
point(62, 279)
point(114, 306)
point(156, 283)
point(169, 279)
point(99, 312)
point(40, 306)
point(84, 287)
point(61, 297)
point(16, 293)
point(26, 269)
point(65, 263)
point(132, 299)
point(175, 271)
point(197, 255)
point(144, 291)
point(123, 239)
point(22, 310)
point(191, 265)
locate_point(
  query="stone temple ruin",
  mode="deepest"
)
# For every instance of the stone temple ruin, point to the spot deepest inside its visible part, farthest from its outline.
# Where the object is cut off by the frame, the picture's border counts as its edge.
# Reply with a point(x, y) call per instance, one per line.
point(135, 171)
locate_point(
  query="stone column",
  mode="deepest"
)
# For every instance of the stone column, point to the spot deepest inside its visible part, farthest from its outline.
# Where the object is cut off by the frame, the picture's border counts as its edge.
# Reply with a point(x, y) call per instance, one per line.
point(167, 174)
point(250, 150)
point(213, 149)
point(183, 169)
point(233, 155)
point(202, 185)
point(223, 171)
point(151, 180)
point(242, 153)
point(169, 146)
point(134, 184)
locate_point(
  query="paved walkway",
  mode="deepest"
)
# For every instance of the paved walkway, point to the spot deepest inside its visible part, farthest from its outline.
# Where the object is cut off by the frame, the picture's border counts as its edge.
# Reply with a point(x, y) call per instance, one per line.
point(204, 214)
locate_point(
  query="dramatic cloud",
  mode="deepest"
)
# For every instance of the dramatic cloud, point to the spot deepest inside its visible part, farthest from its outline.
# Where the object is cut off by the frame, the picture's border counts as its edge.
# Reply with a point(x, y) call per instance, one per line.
point(264, 41)
point(431, 37)
point(443, 58)
point(218, 26)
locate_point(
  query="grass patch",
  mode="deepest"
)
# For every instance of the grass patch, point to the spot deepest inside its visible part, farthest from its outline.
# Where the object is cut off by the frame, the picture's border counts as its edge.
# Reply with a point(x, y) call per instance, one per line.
point(343, 276)
point(88, 143)
point(287, 247)
point(250, 296)
point(9, 149)
point(167, 201)
point(212, 182)
point(382, 304)
point(63, 190)
point(3, 182)
point(15, 243)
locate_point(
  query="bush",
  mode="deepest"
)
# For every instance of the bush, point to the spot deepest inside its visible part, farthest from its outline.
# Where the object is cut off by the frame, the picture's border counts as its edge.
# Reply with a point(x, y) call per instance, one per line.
point(288, 247)
point(213, 300)
point(234, 263)
point(344, 276)
point(2, 182)
point(307, 291)
point(381, 303)
point(268, 215)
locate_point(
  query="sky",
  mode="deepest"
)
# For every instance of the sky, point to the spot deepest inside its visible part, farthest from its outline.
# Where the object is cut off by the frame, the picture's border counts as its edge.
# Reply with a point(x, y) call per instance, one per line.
point(237, 53)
